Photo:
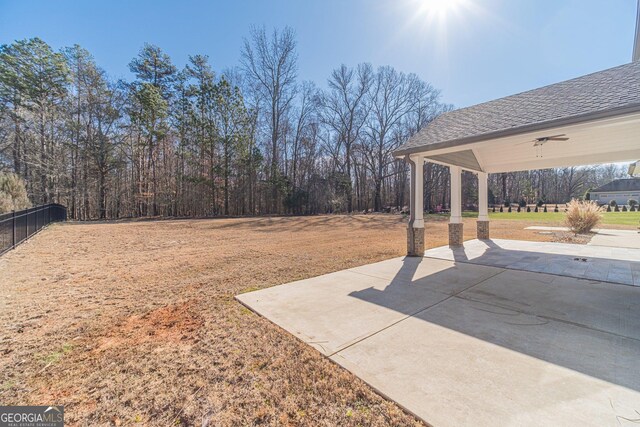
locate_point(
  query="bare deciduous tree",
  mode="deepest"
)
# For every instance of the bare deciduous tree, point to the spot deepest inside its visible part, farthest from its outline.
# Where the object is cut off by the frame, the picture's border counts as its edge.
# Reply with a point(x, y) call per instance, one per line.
point(270, 63)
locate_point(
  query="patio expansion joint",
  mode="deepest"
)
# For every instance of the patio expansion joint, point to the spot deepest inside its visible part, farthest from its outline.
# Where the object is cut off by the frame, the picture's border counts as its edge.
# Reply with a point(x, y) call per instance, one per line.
point(414, 313)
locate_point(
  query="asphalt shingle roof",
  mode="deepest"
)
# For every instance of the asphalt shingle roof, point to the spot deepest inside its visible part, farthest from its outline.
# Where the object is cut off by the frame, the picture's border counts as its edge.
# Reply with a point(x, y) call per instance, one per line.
point(628, 184)
point(610, 90)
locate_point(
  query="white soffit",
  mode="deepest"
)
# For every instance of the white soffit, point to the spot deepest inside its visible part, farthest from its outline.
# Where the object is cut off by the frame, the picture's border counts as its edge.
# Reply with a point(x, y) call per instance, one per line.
point(595, 142)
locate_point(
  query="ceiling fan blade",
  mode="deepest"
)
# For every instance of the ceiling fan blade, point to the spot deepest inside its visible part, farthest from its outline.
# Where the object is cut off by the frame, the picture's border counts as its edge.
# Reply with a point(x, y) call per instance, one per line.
point(539, 141)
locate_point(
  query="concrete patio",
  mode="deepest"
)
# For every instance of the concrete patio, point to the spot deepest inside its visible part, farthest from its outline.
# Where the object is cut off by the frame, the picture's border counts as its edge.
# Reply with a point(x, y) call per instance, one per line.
point(602, 236)
point(607, 261)
point(461, 343)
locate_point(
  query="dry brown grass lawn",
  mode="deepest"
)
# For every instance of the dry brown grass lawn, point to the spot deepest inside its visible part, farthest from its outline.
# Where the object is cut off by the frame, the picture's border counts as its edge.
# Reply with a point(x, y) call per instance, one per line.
point(134, 323)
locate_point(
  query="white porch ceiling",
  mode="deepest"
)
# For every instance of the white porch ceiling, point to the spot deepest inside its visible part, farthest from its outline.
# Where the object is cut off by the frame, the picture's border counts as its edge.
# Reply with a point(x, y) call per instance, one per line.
point(594, 142)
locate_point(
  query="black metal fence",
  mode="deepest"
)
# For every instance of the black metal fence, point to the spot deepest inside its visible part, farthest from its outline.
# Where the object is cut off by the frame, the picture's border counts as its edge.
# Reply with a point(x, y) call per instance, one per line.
point(16, 227)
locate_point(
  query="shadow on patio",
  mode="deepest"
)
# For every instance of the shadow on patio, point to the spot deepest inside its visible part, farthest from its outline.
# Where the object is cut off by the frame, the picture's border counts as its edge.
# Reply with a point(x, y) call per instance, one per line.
point(592, 328)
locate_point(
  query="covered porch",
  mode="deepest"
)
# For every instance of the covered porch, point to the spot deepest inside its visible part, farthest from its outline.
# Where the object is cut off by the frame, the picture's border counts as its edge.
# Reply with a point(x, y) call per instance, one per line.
point(594, 119)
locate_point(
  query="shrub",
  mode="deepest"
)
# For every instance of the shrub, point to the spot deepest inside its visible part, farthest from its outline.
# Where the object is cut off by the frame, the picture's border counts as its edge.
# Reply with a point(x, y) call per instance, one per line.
point(556, 209)
point(522, 203)
point(616, 208)
point(528, 208)
point(494, 209)
point(536, 209)
point(539, 203)
point(13, 193)
point(608, 208)
point(545, 208)
point(509, 209)
point(613, 203)
point(624, 208)
point(501, 210)
point(582, 216)
point(632, 203)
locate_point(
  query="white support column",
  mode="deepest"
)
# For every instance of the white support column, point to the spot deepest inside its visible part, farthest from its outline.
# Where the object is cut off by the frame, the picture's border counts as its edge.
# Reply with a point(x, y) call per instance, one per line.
point(483, 199)
point(417, 192)
point(415, 228)
point(483, 207)
point(456, 194)
point(455, 222)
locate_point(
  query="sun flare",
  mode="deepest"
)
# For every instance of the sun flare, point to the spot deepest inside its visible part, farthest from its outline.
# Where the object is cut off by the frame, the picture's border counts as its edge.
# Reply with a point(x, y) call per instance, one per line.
point(438, 9)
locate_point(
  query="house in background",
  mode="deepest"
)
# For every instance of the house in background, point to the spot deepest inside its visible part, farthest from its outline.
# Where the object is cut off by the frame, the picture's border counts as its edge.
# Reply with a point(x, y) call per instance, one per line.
point(620, 190)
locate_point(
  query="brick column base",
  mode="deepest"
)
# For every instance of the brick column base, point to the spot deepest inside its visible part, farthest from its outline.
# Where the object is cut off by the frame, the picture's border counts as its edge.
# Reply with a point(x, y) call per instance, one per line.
point(455, 234)
point(483, 230)
point(415, 241)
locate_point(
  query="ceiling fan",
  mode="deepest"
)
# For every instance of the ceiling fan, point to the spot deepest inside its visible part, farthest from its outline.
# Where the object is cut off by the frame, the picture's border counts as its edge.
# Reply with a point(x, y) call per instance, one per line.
point(544, 139)
point(539, 142)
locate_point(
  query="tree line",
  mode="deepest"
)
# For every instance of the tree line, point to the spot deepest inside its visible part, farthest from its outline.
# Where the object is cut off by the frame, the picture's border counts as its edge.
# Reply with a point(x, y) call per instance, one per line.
point(250, 140)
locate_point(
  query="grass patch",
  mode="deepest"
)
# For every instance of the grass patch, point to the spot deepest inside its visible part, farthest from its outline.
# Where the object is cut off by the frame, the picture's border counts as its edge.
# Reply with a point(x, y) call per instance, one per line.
point(250, 289)
point(609, 218)
point(7, 385)
point(55, 357)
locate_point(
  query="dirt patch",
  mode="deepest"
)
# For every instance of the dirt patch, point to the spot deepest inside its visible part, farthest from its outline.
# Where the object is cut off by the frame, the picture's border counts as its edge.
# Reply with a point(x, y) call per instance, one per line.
point(568, 237)
point(134, 323)
point(170, 325)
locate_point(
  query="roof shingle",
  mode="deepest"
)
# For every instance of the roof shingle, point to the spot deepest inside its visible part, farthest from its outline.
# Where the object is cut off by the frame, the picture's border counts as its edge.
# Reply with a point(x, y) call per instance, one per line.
point(628, 184)
point(612, 89)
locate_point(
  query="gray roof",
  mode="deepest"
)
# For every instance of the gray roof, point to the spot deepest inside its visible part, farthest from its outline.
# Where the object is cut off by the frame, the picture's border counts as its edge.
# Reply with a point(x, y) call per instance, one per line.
point(603, 94)
point(629, 184)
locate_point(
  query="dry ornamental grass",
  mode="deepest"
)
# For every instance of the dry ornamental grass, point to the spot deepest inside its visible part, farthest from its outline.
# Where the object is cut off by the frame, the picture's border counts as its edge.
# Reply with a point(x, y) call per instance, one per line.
point(583, 215)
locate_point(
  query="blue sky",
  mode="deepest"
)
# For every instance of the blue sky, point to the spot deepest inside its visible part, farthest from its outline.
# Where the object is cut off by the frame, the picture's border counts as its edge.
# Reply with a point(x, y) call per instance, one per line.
point(473, 52)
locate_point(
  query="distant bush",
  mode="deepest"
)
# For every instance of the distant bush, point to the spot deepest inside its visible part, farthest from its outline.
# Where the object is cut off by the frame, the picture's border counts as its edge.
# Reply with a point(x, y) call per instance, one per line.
point(613, 203)
point(536, 209)
point(632, 203)
point(528, 208)
point(616, 208)
point(545, 208)
point(494, 209)
point(13, 193)
point(608, 208)
point(556, 209)
point(624, 208)
point(522, 203)
point(501, 210)
point(509, 208)
point(582, 216)
point(540, 203)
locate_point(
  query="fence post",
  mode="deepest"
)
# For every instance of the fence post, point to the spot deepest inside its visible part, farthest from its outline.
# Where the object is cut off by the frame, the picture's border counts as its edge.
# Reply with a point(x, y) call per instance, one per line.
point(14, 229)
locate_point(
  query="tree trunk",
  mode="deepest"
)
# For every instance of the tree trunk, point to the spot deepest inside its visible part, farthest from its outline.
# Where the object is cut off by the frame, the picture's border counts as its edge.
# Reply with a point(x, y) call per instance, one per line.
point(226, 177)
